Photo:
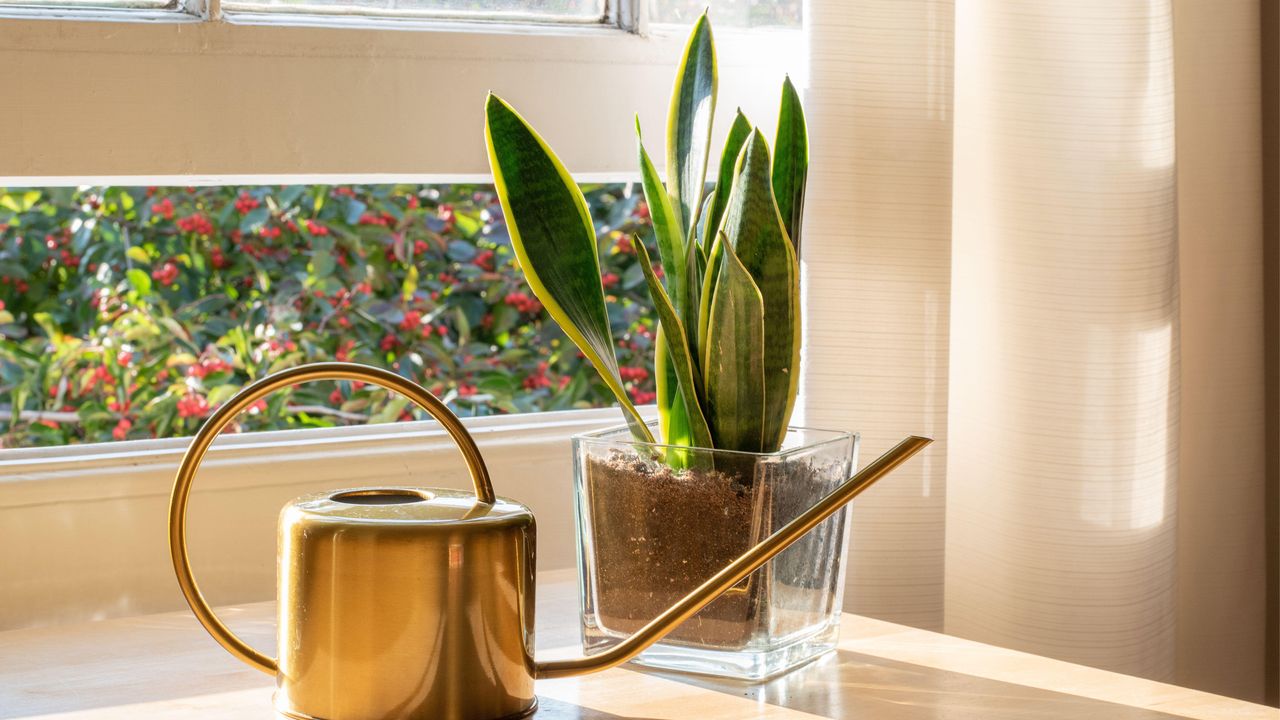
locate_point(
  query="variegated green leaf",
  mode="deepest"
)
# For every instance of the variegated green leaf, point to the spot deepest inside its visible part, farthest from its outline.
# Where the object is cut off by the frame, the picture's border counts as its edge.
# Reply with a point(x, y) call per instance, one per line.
point(753, 229)
point(673, 421)
point(666, 225)
point(734, 361)
point(678, 353)
point(554, 241)
point(738, 133)
point(710, 275)
point(693, 103)
point(673, 417)
point(791, 162)
point(689, 299)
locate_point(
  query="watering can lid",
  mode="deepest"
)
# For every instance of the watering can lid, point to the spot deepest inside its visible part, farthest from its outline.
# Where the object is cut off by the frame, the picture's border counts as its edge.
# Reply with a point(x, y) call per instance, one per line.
point(414, 505)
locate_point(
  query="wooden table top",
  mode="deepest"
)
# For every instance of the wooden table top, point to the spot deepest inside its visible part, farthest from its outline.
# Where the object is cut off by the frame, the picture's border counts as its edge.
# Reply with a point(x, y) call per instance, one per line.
point(165, 666)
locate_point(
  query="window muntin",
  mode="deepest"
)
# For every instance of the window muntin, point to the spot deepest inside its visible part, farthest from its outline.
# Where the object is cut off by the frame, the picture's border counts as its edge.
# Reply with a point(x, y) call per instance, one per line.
point(131, 312)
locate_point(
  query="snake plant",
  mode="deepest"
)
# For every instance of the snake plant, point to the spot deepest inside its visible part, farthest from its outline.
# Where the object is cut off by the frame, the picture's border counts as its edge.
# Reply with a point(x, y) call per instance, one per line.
point(727, 350)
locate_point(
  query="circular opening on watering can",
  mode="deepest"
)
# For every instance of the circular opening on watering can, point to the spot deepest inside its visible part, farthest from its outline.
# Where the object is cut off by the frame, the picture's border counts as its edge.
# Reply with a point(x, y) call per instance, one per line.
point(381, 496)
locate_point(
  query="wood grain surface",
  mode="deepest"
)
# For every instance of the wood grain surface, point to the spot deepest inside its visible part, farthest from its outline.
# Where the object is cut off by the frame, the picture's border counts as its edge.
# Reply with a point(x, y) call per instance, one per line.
point(165, 666)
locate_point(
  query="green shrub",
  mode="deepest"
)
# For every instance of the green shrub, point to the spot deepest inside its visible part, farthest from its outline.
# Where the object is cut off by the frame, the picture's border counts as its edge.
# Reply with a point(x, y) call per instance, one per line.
point(132, 312)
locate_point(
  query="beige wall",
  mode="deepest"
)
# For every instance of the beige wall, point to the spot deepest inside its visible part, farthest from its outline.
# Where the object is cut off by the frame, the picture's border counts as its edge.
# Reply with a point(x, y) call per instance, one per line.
point(216, 100)
point(84, 528)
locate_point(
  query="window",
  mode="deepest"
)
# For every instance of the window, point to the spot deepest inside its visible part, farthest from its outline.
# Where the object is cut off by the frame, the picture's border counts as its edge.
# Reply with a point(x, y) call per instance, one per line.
point(239, 110)
point(131, 312)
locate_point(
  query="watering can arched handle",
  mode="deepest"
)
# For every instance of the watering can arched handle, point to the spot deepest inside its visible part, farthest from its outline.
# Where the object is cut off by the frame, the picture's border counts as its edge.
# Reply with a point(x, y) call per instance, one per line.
point(248, 396)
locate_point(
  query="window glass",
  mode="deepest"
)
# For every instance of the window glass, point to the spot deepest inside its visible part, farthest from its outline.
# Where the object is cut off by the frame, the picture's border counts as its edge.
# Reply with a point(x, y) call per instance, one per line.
point(556, 10)
point(132, 312)
point(730, 13)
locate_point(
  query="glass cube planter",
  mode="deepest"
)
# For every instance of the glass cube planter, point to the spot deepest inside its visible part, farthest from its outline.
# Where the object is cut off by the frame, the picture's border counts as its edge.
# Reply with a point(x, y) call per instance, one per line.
point(648, 534)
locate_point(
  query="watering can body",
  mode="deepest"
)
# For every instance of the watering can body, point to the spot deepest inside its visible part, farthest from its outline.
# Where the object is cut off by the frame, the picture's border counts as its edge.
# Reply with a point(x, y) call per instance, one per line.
point(416, 603)
point(405, 603)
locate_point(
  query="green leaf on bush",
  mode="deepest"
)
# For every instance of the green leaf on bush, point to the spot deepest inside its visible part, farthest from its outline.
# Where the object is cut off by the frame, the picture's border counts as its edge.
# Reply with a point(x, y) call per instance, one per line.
point(467, 224)
point(175, 328)
point(222, 393)
point(410, 284)
point(19, 202)
point(139, 281)
point(555, 243)
point(289, 195)
point(138, 254)
point(389, 412)
point(255, 219)
point(734, 361)
point(322, 264)
point(354, 209)
point(460, 251)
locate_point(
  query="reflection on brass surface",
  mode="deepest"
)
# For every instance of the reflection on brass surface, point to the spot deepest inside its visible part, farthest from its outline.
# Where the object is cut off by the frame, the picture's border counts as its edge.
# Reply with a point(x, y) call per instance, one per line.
point(401, 602)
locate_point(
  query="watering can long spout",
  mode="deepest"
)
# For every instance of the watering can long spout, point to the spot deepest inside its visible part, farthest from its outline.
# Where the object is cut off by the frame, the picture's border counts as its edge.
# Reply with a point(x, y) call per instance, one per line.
point(735, 571)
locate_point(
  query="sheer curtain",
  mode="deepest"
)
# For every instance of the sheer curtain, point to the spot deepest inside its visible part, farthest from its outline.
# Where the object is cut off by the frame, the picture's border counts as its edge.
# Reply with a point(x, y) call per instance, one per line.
point(1035, 234)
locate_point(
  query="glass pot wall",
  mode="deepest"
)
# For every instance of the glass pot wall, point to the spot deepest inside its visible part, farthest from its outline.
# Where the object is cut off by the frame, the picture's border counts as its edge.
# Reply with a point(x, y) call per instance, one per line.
point(655, 521)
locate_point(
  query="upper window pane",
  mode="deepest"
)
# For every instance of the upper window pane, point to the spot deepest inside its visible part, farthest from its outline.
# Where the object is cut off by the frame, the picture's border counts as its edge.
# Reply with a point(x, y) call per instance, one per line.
point(500, 10)
point(730, 13)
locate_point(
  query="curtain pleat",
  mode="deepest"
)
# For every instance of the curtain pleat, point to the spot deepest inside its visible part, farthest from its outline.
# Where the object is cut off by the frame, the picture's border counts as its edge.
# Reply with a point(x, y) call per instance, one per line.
point(1062, 465)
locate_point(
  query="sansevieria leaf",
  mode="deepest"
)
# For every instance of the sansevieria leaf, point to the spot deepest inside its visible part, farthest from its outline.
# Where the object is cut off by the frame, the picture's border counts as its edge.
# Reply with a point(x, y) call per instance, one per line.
point(734, 362)
point(693, 103)
point(673, 419)
point(679, 354)
point(666, 225)
point(753, 230)
point(710, 276)
point(554, 241)
point(738, 133)
point(791, 162)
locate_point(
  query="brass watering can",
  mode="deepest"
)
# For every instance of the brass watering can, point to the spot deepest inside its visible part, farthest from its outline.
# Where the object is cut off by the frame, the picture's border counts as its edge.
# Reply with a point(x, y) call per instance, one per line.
point(406, 602)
